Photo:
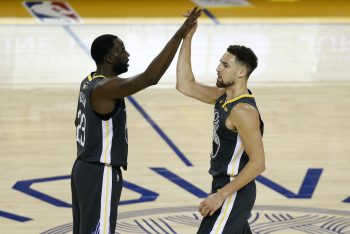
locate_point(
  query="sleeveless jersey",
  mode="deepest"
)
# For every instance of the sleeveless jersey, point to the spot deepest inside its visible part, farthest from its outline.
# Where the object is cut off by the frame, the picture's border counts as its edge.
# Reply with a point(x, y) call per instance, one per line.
point(228, 156)
point(100, 139)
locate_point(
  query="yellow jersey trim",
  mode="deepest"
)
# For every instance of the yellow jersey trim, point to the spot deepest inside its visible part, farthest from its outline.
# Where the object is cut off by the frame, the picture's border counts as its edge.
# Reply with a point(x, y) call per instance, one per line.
point(98, 76)
point(93, 77)
point(89, 77)
point(237, 98)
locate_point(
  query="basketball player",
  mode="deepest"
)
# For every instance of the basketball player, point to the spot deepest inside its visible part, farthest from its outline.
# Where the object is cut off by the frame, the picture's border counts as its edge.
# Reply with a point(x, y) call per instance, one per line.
point(102, 140)
point(237, 152)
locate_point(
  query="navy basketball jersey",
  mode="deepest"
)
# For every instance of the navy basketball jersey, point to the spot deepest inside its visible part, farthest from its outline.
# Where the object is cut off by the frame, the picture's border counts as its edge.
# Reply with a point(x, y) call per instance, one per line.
point(228, 156)
point(100, 139)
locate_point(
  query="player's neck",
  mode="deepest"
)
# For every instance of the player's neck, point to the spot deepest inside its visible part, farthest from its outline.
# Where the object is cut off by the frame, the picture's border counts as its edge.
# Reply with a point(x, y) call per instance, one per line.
point(105, 71)
point(236, 90)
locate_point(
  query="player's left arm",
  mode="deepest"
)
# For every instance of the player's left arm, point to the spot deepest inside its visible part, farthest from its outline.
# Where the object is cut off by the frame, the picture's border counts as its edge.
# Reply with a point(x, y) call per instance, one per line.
point(246, 120)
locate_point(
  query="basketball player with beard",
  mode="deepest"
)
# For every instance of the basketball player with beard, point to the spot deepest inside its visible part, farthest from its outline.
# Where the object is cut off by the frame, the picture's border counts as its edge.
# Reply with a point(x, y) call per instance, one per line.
point(237, 152)
point(101, 129)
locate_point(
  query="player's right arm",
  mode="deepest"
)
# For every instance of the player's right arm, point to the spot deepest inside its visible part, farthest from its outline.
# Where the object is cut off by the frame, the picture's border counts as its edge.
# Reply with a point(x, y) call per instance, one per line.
point(185, 81)
point(107, 91)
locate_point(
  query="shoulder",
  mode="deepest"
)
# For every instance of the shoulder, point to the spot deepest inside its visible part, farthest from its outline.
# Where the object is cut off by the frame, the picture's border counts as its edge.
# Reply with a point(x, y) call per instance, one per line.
point(243, 108)
point(103, 85)
point(244, 113)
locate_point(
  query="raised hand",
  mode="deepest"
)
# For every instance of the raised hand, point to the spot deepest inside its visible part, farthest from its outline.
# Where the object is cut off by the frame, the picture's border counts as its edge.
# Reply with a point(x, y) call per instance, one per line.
point(190, 23)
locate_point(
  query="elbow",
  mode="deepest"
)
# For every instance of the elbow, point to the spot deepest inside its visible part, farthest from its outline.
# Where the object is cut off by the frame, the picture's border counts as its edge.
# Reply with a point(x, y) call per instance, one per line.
point(261, 168)
point(184, 85)
point(154, 82)
point(181, 89)
point(151, 79)
point(178, 87)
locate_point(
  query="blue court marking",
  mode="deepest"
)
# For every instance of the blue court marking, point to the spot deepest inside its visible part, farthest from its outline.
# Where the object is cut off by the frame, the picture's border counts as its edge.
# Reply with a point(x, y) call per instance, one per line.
point(76, 38)
point(307, 187)
point(164, 231)
point(180, 182)
point(160, 132)
point(141, 226)
point(254, 219)
point(149, 225)
point(146, 194)
point(211, 16)
point(166, 224)
point(24, 187)
point(155, 126)
point(14, 217)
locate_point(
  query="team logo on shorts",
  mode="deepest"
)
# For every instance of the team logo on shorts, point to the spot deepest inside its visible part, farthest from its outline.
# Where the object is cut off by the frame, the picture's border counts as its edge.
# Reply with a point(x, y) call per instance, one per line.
point(52, 12)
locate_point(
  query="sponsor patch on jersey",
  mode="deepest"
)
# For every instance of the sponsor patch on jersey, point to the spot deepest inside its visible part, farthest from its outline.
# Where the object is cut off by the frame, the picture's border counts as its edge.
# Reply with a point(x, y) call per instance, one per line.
point(52, 12)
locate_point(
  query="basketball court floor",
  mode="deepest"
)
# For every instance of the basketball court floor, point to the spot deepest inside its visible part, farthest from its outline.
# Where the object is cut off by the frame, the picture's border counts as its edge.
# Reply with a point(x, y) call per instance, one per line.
point(302, 88)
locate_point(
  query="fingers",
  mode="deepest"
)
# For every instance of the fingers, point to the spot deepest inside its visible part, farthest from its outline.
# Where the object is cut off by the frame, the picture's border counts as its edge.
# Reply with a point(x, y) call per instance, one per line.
point(194, 10)
point(187, 14)
point(212, 212)
point(201, 205)
point(194, 13)
point(204, 208)
point(210, 205)
point(190, 23)
point(204, 211)
point(197, 12)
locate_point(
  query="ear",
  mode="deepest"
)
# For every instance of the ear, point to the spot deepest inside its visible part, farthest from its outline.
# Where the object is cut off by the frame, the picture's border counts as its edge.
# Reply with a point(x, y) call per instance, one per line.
point(242, 72)
point(108, 59)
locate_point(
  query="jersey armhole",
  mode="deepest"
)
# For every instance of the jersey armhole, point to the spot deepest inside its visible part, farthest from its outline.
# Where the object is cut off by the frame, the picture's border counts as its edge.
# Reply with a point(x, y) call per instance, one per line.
point(110, 115)
point(247, 102)
point(105, 116)
point(225, 127)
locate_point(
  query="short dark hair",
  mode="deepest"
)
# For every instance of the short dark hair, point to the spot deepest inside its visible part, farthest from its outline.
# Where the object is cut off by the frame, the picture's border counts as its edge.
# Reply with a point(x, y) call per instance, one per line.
point(101, 46)
point(245, 56)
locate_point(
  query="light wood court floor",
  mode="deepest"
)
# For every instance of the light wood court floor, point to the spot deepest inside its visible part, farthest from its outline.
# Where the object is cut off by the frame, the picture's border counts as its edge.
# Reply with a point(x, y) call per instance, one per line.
point(307, 127)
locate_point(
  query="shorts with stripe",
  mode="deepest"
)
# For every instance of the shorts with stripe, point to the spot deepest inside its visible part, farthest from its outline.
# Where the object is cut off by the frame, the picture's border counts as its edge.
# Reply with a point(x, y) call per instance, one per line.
point(96, 190)
point(232, 217)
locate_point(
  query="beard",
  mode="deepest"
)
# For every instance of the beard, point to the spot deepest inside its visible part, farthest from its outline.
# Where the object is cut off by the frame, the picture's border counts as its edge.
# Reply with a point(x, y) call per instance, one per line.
point(120, 67)
point(222, 84)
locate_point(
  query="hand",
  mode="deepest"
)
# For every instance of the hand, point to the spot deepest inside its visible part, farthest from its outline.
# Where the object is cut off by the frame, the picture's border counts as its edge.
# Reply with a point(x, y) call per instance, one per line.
point(190, 24)
point(194, 27)
point(211, 204)
point(189, 35)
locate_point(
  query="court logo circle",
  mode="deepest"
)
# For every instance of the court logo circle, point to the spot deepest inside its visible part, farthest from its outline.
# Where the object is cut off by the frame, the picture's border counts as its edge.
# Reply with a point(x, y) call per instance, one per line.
point(264, 219)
